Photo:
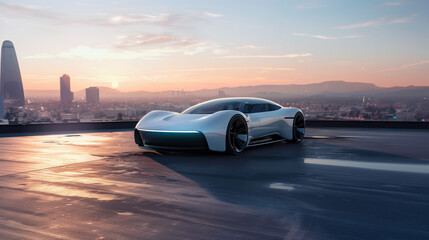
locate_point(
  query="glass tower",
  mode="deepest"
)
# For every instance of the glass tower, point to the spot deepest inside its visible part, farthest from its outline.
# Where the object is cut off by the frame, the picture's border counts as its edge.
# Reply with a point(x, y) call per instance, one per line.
point(10, 79)
point(66, 95)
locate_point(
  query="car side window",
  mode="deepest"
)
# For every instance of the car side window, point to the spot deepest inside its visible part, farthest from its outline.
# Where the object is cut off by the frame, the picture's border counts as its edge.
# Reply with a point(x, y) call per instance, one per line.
point(256, 108)
point(231, 106)
point(273, 107)
point(245, 107)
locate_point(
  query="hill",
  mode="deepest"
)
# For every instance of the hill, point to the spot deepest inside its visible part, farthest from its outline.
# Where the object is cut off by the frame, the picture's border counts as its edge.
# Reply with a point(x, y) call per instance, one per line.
point(325, 89)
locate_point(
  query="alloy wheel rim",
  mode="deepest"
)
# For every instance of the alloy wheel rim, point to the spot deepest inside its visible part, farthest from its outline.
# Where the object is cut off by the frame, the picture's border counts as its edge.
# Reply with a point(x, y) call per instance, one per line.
point(299, 127)
point(238, 135)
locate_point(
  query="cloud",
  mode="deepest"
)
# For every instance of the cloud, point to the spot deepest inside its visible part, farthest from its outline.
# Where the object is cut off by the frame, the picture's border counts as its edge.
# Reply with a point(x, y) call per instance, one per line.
point(325, 37)
point(214, 15)
point(378, 22)
point(90, 53)
point(221, 51)
point(247, 46)
point(28, 10)
point(406, 66)
point(143, 40)
point(292, 55)
point(107, 78)
point(164, 19)
point(415, 64)
point(397, 3)
point(233, 68)
point(217, 49)
point(157, 19)
point(96, 54)
point(40, 56)
point(361, 25)
point(197, 49)
point(400, 20)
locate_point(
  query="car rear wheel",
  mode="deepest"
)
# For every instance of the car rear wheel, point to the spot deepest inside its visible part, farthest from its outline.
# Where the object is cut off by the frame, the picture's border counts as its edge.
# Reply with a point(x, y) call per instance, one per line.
point(298, 129)
point(236, 135)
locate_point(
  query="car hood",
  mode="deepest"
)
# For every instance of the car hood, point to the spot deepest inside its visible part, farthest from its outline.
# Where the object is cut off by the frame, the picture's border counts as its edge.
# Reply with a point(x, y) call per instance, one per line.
point(173, 122)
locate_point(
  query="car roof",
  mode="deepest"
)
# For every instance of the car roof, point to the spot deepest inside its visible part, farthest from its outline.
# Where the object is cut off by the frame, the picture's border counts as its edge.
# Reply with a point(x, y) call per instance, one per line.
point(250, 100)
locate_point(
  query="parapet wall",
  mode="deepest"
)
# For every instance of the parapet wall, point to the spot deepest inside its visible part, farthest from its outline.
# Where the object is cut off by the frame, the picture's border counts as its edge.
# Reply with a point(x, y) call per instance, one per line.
point(106, 126)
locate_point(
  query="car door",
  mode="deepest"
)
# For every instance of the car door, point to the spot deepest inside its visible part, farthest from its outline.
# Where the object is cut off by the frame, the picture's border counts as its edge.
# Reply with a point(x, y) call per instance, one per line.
point(256, 115)
point(253, 120)
point(268, 120)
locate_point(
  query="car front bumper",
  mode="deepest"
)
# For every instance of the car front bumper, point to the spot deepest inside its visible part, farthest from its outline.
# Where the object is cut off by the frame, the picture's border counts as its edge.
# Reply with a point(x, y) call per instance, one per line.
point(170, 140)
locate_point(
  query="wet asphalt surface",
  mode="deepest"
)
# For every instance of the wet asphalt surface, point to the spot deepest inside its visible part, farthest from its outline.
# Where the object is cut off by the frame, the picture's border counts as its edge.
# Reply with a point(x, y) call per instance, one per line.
point(337, 184)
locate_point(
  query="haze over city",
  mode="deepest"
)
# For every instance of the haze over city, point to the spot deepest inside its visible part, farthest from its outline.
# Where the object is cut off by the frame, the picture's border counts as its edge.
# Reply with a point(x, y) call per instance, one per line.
point(191, 45)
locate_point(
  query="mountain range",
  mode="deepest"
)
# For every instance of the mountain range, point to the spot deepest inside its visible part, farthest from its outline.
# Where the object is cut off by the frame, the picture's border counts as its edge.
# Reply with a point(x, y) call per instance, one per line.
point(323, 89)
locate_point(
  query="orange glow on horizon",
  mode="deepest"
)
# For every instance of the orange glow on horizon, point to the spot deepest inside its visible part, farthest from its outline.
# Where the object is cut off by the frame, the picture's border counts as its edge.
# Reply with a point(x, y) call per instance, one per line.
point(198, 80)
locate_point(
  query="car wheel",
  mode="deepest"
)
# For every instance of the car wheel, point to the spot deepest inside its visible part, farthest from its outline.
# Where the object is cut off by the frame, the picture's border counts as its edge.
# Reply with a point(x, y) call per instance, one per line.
point(236, 135)
point(298, 129)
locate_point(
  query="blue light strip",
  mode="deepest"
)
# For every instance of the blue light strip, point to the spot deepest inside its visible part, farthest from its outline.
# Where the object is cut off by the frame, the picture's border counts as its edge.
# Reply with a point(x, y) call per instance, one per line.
point(167, 131)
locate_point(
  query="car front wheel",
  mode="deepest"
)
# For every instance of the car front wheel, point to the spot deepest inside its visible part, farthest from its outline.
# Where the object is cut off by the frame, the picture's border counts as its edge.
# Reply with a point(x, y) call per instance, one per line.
point(236, 135)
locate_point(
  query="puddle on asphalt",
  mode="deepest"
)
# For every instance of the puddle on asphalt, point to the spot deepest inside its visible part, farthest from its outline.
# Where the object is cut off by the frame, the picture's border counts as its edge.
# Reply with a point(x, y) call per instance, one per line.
point(281, 186)
point(81, 140)
point(71, 192)
point(57, 178)
point(397, 167)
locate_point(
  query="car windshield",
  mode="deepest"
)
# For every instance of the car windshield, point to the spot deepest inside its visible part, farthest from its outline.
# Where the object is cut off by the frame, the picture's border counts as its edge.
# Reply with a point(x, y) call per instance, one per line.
point(214, 106)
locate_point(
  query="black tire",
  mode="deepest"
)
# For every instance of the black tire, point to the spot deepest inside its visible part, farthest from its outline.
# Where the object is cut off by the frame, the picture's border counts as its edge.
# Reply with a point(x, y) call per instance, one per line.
point(236, 135)
point(298, 128)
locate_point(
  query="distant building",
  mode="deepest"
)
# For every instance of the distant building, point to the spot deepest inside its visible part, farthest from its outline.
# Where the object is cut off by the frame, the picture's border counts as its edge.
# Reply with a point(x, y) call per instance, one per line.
point(10, 78)
point(67, 96)
point(93, 95)
point(405, 116)
point(69, 117)
point(44, 116)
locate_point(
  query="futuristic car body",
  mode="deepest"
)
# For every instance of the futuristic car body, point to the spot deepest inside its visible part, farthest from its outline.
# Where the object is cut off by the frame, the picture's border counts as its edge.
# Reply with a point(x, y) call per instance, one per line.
point(223, 125)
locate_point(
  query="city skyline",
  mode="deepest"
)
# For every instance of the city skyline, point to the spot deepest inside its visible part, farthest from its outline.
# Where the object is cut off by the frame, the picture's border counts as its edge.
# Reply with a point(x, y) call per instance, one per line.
point(158, 46)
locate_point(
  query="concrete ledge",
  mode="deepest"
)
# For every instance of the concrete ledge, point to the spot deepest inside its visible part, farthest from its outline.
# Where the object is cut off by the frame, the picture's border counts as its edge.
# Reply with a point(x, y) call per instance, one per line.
point(367, 124)
point(64, 127)
point(97, 126)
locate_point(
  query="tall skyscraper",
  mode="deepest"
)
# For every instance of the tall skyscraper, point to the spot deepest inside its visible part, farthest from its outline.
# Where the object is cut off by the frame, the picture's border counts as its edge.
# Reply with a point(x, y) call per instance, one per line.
point(10, 78)
point(93, 95)
point(67, 96)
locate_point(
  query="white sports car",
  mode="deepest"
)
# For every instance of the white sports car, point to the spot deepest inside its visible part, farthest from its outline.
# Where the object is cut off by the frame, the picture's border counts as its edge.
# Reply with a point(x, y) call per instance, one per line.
point(223, 125)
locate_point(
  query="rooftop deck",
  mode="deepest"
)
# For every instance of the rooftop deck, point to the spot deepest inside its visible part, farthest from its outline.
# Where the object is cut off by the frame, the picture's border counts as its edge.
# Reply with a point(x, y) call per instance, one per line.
point(339, 183)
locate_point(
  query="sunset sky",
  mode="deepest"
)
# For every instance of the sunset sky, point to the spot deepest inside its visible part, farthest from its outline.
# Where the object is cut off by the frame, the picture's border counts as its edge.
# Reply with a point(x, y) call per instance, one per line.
point(170, 45)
